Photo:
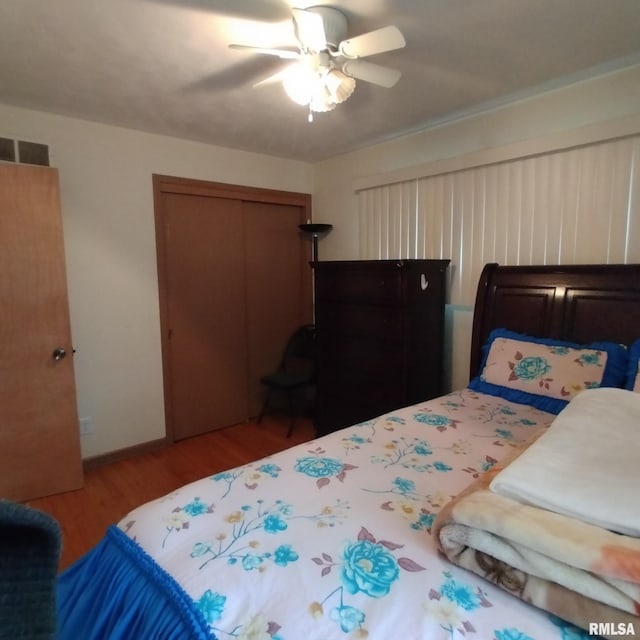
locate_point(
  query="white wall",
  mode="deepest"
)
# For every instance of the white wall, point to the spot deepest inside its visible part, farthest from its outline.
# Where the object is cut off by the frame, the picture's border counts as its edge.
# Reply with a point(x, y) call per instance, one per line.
point(107, 203)
point(608, 103)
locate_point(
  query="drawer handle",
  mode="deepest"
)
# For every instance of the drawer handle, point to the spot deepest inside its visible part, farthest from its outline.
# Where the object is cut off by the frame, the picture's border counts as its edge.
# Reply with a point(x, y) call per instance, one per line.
point(424, 283)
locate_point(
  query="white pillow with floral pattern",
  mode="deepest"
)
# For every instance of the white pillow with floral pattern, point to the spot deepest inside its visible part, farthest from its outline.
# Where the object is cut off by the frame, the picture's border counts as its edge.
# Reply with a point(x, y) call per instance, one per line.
point(546, 373)
point(555, 371)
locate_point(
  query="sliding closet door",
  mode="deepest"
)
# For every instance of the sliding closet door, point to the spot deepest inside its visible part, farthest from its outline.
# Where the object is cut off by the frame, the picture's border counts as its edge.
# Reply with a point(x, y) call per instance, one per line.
point(278, 286)
point(234, 282)
point(205, 342)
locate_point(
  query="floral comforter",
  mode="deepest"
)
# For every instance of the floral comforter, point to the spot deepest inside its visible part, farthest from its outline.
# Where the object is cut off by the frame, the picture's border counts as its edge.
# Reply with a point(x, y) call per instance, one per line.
point(332, 539)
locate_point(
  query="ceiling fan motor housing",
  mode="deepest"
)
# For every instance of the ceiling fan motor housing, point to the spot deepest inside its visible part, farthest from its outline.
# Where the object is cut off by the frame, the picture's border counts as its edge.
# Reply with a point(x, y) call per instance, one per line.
point(335, 25)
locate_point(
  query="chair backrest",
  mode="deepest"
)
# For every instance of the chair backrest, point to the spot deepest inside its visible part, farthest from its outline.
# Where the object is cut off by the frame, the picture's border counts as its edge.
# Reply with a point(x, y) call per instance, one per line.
point(300, 352)
point(30, 545)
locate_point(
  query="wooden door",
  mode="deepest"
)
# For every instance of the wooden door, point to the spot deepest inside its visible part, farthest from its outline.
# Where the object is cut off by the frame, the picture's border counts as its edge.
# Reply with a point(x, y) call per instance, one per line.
point(234, 281)
point(39, 434)
point(204, 271)
point(277, 288)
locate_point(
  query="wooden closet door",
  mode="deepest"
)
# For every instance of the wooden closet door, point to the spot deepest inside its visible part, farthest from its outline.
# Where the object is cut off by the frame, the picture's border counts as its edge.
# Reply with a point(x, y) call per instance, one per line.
point(278, 285)
point(205, 307)
point(39, 433)
point(234, 282)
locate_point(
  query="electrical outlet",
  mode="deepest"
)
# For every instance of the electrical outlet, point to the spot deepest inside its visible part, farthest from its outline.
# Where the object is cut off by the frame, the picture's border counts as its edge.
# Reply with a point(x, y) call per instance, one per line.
point(86, 426)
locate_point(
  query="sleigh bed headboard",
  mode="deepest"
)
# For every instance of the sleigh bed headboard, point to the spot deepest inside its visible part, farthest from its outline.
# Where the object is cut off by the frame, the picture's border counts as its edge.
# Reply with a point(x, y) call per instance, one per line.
point(580, 303)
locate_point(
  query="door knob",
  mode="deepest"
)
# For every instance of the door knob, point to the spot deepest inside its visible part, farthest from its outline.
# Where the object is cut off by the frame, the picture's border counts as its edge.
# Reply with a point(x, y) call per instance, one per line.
point(59, 353)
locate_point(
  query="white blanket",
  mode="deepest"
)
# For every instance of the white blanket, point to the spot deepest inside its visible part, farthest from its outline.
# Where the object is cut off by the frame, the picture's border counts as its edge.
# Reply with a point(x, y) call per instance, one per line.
point(587, 465)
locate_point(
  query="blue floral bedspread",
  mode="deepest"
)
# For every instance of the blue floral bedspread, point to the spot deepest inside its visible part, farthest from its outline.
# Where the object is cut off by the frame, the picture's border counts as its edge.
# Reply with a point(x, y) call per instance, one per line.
point(332, 539)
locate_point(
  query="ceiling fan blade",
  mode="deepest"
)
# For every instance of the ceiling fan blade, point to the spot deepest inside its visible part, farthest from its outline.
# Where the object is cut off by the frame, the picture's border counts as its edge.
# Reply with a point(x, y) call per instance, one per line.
point(368, 44)
point(263, 10)
point(369, 72)
point(275, 77)
point(309, 30)
point(280, 53)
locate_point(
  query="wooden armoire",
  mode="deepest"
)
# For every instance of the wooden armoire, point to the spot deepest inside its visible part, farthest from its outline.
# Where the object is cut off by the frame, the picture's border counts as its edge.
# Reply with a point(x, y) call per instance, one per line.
point(380, 327)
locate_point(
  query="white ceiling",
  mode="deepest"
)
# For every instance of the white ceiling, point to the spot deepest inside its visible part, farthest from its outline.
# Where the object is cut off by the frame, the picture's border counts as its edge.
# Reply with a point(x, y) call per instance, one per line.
point(164, 66)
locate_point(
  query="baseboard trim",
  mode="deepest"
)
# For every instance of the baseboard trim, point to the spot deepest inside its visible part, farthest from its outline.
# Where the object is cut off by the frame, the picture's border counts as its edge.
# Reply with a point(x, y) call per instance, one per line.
point(127, 452)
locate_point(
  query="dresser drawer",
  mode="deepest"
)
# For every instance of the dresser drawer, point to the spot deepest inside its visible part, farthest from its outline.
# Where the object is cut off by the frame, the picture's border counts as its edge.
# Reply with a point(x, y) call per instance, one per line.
point(337, 411)
point(383, 381)
point(359, 353)
point(384, 323)
point(334, 413)
point(381, 285)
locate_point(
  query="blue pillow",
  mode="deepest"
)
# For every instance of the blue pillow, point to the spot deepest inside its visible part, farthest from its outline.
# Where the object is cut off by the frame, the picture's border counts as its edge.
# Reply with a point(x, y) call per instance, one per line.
point(632, 369)
point(546, 373)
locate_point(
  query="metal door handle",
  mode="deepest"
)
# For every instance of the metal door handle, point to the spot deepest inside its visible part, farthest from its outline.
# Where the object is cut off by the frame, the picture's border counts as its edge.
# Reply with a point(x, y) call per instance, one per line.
point(59, 353)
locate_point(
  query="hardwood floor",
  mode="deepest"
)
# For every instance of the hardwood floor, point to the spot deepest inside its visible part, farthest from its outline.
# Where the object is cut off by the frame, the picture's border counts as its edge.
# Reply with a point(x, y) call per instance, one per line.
point(112, 490)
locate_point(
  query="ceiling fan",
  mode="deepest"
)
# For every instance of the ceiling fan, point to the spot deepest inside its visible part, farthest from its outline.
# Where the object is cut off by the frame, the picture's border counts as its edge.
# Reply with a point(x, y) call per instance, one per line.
point(324, 70)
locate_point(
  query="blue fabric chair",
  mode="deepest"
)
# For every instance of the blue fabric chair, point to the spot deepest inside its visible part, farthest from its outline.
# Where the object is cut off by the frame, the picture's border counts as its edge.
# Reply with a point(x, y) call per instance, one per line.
point(30, 545)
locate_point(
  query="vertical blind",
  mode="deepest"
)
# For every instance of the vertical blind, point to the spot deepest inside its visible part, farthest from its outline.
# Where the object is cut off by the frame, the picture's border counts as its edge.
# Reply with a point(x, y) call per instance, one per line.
point(580, 205)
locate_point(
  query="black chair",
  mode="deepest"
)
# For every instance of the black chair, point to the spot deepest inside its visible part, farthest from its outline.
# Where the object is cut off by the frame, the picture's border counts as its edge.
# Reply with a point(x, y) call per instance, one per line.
point(296, 374)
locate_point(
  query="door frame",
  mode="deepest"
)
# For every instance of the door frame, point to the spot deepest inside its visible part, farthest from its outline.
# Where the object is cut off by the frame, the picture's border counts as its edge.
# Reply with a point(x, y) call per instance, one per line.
point(163, 184)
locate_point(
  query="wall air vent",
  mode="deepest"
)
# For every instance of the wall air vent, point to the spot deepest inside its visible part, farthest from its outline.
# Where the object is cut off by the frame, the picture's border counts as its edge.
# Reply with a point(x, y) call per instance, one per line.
point(33, 153)
point(24, 152)
point(7, 150)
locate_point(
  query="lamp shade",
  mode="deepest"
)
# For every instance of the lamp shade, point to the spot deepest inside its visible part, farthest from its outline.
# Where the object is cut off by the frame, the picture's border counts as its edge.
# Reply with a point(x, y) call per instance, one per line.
point(300, 83)
point(315, 227)
point(320, 87)
point(339, 85)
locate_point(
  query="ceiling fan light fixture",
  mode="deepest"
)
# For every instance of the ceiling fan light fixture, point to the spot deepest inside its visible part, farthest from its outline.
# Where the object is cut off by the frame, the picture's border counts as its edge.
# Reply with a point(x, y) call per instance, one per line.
point(321, 101)
point(300, 83)
point(339, 85)
point(317, 87)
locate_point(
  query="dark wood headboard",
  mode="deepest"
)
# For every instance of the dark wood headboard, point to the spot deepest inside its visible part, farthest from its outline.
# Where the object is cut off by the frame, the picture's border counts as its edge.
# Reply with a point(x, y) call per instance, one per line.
point(580, 303)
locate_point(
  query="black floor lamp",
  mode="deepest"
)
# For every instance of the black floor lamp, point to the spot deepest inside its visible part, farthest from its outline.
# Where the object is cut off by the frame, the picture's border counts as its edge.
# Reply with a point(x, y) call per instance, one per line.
point(314, 230)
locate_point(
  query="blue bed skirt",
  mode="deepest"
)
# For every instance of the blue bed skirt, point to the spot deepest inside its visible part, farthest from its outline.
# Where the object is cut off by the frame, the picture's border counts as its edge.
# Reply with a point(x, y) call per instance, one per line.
point(117, 591)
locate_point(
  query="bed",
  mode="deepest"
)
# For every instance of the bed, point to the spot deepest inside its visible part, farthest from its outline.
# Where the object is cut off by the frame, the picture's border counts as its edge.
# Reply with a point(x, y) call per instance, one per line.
point(334, 538)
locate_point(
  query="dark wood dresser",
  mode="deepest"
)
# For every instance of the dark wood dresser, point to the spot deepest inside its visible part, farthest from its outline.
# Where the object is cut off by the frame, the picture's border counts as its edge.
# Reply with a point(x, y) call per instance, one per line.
point(379, 335)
